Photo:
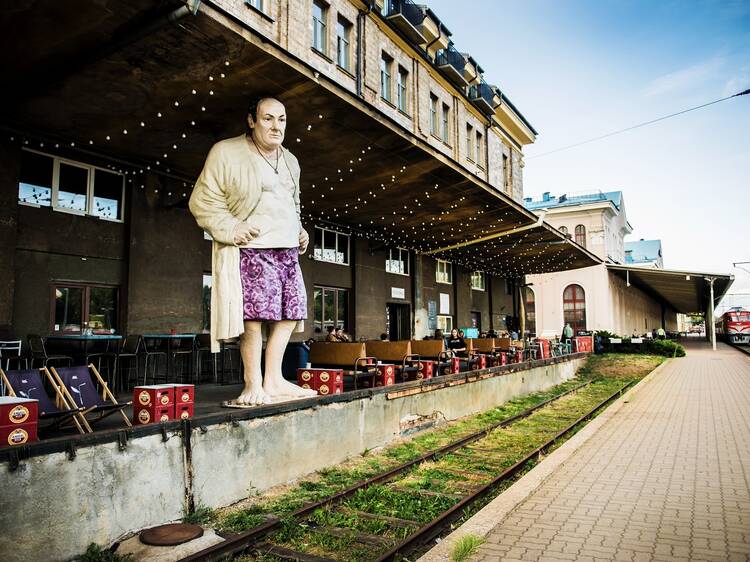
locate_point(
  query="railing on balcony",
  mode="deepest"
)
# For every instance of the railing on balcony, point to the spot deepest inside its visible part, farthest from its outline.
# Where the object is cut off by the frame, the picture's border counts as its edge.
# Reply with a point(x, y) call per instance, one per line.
point(452, 63)
point(407, 17)
point(482, 95)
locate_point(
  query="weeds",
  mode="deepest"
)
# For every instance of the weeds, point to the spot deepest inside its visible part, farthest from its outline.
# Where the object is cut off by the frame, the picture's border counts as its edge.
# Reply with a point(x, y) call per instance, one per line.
point(465, 547)
point(201, 516)
point(95, 553)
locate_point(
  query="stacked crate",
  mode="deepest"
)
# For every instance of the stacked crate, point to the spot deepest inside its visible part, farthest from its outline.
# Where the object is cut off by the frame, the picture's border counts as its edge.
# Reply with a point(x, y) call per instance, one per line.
point(18, 420)
point(323, 381)
point(163, 402)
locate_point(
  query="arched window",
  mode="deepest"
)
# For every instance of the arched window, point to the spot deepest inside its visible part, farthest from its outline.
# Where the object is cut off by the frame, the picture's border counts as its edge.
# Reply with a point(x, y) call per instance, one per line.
point(581, 235)
point(574, 307)
point(564, 230)
point(530, 311)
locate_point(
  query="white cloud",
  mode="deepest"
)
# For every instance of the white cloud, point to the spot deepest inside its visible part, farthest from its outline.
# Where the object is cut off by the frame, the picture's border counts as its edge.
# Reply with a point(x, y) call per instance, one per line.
point(738, 82)
point(686, 78)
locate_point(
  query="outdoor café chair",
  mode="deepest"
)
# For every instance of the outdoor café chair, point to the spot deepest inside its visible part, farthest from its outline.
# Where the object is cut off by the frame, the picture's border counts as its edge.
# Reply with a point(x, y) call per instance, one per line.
point(39, 352)
point(79, 391)
point(30, 384)
point(128, 353)
point(11, 351)
point(203, 348)
point(153, 354)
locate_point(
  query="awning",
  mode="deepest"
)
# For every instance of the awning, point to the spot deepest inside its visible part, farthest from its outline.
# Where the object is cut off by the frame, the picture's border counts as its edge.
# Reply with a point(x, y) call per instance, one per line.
point(683, 291)
point(117, 79)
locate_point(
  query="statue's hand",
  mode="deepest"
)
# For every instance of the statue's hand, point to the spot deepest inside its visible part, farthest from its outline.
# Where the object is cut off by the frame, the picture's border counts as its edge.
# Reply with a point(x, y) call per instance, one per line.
point(243, 233)
point(304, 240)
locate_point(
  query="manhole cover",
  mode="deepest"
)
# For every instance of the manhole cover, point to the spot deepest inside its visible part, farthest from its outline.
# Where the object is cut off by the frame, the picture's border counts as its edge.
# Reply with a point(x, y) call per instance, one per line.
point(171, 535)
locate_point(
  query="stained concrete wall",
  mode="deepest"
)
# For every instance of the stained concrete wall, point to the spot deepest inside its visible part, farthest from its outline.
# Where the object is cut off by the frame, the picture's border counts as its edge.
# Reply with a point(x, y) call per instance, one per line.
point(9, 170)
point(51, 507)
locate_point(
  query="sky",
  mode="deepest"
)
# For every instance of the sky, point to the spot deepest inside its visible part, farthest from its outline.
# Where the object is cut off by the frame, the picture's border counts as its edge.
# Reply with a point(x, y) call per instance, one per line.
point(579, 69)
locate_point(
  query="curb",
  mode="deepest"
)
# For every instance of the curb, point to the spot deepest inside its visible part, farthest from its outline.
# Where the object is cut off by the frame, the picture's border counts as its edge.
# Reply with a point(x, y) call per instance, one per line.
point(486, 519)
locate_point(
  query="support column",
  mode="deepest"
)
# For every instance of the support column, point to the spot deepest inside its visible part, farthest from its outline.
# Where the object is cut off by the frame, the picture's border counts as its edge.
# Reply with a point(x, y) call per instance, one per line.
point(711, 313)
point(10, 158)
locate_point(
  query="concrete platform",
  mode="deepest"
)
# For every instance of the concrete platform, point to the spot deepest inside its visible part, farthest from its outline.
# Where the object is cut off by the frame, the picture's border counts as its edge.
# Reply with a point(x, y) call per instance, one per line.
point(663, 474)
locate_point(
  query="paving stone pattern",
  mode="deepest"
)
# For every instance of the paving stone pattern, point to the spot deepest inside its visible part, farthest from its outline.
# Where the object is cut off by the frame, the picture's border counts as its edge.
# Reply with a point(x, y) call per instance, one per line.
point(666, 478)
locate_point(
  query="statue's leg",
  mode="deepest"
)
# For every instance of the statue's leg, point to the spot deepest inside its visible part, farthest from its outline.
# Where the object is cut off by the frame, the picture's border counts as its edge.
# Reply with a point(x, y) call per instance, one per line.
point(273, 382)
point(251, 348)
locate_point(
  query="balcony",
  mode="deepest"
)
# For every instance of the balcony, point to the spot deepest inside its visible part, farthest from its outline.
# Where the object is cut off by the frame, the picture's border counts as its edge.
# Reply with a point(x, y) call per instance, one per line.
point(407, 17)
point(483, 97)
point(451, 63)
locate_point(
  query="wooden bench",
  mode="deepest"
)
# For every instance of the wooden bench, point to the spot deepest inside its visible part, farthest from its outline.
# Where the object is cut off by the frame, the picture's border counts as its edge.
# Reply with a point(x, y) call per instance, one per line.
point(351, 357)
point(397, 352)
point(434, 350)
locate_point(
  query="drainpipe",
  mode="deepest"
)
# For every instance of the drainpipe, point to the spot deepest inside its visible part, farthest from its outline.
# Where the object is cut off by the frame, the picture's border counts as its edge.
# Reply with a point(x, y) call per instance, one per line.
point(438, 38)
point(361, 16)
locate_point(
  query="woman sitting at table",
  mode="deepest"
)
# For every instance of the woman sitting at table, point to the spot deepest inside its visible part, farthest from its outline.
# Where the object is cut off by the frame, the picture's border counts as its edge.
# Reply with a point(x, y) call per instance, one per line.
point(457, 344)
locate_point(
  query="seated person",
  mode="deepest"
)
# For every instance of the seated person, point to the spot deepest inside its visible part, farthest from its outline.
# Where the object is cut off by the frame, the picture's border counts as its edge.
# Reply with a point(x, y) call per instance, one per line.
point(331, 337)
point(341, 336)
point(383, 337)
point(456, 343)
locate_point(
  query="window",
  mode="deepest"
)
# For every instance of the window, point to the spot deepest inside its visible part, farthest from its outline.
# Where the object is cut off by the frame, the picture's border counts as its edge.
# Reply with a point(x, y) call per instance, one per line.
point(386, 65)
point(401, 90)
point(445, 324)
point(469, 142)
point(77, 307)
point(479, 149)
point(398, 261)
point(330, 308)
point(444, 272)
point(445, 131)
point(343, 40)
point(65, 185)
point(574, 307)
point(207, 284)
point(331, 246)
point(530, 311)
point(433, 115)
point(581, 235)
point(564, 230)
point(477, 281)
point(257, 4)
point(319, 16)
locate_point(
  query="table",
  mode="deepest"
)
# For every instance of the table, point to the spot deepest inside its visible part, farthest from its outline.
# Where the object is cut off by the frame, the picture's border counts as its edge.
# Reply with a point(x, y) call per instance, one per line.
point(84, 340)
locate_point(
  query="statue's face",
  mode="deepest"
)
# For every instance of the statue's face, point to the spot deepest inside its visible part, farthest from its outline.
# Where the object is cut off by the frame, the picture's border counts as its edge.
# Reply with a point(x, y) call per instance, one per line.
point(269, 128)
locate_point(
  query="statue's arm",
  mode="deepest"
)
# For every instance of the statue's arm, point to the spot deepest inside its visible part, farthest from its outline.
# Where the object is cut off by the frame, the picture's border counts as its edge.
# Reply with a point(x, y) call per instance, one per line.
point(208, 201)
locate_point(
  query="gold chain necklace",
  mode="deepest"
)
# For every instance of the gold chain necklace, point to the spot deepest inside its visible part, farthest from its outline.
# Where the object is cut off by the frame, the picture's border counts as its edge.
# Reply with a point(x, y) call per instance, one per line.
point(276, 167)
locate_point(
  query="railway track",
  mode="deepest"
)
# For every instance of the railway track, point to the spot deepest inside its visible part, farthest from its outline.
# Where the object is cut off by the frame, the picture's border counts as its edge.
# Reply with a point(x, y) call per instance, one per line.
point(743, 348)
point(470, 469)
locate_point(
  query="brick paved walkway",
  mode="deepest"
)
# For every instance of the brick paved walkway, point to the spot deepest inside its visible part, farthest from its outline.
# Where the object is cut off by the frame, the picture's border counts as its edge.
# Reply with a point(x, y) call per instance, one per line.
point(667, 477)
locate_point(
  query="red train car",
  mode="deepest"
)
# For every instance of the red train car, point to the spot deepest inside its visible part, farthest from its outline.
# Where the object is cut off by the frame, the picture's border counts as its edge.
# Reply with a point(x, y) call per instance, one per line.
point(734, 326)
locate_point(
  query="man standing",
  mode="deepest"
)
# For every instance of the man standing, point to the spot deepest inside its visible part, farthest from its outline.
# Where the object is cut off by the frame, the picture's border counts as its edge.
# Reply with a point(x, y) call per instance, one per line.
point(247, 199)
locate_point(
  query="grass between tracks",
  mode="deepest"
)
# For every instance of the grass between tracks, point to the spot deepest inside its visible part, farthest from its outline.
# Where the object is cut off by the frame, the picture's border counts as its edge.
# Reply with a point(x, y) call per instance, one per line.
point(431, 488)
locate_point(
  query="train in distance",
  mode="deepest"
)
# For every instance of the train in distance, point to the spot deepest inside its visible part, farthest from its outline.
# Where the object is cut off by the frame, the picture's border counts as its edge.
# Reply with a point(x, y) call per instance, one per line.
point(734, 326)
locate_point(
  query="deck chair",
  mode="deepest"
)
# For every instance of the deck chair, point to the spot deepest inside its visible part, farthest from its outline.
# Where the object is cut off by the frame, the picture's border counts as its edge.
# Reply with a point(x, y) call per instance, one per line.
point(30, 384)
point(79, 391)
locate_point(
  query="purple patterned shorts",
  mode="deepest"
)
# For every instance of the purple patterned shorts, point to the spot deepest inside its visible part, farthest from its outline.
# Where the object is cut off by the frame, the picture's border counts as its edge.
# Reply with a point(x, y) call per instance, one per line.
point(272, 284)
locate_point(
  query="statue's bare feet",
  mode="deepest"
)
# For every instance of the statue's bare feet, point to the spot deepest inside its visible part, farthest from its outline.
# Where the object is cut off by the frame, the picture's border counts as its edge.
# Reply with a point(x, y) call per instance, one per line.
point(279, 387)
point(253, 394)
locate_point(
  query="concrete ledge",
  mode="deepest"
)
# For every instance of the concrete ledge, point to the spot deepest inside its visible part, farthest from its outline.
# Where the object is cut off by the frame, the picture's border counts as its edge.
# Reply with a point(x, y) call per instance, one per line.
point(482, 523)
point(55, 504)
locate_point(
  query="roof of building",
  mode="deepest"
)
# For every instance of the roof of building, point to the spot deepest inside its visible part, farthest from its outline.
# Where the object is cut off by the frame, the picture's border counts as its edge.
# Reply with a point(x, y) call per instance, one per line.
point(548, 201)
point(641, 251)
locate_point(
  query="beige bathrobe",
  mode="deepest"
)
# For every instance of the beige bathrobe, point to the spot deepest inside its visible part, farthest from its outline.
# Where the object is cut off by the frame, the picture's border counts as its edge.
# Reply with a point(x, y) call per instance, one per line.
point(226, 193)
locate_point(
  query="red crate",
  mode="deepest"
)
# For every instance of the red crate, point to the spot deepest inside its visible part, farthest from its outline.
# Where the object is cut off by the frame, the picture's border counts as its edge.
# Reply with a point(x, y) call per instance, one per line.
point(143, 415)
point(385, 376)
point(153, 395)
point(17, 434)
point(184, 393)
point(324, 381)
point(455, 365)
point(545, 351)
point(503, 358)
point(425, 370)
point(183, 411)
point(481, 362)
point(584, 344)
point(15, 410)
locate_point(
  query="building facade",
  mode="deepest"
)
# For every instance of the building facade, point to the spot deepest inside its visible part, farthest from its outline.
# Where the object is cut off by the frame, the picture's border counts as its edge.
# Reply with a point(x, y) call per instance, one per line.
point(591, 298)
point(98, 240)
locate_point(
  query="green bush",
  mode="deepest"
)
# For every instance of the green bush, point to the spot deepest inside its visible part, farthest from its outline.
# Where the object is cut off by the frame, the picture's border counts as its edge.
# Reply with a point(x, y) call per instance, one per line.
point(668, 348)
point(95, 553)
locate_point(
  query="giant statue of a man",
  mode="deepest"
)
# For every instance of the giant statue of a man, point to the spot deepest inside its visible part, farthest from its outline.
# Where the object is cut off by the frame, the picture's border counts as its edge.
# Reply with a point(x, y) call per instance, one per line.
point(247, 199)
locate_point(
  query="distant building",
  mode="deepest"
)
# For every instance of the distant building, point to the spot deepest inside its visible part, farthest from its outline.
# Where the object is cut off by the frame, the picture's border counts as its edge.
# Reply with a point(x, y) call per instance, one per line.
point(644, 253)
point(593, 298)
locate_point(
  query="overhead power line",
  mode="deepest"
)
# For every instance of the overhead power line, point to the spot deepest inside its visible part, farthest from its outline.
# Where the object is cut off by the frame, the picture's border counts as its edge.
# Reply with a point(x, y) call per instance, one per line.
point(613, 133)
